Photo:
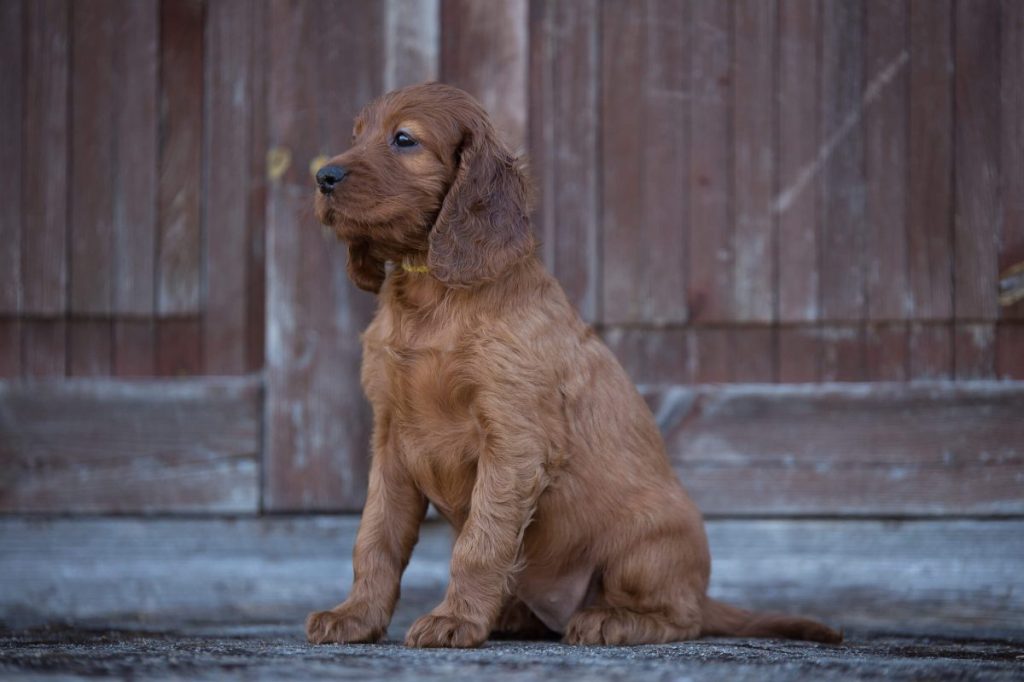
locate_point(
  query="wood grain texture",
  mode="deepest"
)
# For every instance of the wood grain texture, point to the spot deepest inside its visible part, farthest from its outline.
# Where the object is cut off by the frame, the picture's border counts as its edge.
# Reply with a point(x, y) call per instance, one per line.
point(90, 347)
point(180, 171)
point(755, 26)
point(885, 161)
point(924, 576)
point(653, 356)
point(10, 348)
point(1010, 351)
point(107, 446)
point(134, 348)
point(412, 35)
point(318, 421)
point(230, 27)
point(843, 352)
point(841, 261)
point(931, 351)
point(930, 160)
point(256, 279)
point(565, 152)
point(754, 355)
point(94, 106)
point(974, 351)
point(712, 354)
point(12, 26)
point(1011, 249)
point(500, 30)
point(869, 449)
point(43, 349)
point(886, 349)
point(799, 137)
point(136, 134)
point(711, 254)
point(977, 134)
point(179, 346)
point(44, 188)
point(799, 360)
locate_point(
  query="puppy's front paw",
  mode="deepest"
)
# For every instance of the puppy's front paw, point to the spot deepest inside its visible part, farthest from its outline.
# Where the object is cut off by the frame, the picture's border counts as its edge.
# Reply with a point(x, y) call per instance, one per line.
point(341, 626)
point(445, 631)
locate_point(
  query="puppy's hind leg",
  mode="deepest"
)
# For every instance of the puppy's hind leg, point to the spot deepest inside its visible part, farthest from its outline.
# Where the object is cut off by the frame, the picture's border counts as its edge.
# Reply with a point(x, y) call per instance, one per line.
point(651, 593)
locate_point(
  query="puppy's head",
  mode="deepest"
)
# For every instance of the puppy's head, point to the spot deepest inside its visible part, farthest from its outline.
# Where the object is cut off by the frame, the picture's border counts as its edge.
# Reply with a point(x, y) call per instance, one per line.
point(426, 176)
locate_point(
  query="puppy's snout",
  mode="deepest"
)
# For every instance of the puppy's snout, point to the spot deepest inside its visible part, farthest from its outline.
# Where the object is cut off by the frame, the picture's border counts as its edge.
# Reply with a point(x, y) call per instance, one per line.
point(328, 177)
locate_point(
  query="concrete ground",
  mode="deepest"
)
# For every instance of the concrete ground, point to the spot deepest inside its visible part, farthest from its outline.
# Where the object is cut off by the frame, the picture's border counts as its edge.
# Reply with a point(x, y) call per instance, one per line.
point(279, 651)
point(222, 599)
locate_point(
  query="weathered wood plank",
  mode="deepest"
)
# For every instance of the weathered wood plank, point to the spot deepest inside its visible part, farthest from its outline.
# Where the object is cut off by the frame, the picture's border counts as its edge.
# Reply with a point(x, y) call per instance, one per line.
point(1010, 351)
point(564, 135)
point(843, 353)
point(43, 348)
point(10, 349)
point(799, 138)
point(136, 131)
point(180, 171)
point(886, 348)
point(229, 111)
point(653, 356)
point(90, 347)
point(869, 449)
point(1012, 143)
point(841, 265)
point(44, 189)
point(924, 577)
point(500, 30)
point(754, 160)
point(179, 346)
point(644, 136)
point(134, 348)
point(712, 353)
point(412, 33)
point(754, 355)
point(318, 422)
point(886, 55)
point(974, 351)
point(256, 295)
point(799, 359)
point(931, 351)
point(140, 446)
point(94, 106)
point(12, 70)
point(977, 139)
point(930, 160)
point(711, 255)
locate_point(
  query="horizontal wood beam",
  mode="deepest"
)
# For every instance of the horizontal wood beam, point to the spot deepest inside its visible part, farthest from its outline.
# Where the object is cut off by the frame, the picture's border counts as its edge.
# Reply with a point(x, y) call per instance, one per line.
point(937, 448)
point(107, 446)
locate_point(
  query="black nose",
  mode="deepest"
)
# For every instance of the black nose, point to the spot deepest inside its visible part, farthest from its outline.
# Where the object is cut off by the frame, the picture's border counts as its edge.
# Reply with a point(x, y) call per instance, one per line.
point(329, 176)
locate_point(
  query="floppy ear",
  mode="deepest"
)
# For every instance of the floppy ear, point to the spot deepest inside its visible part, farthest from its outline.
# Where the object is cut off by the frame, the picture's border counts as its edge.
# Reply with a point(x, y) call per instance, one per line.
point(363, 269)
point(483, 226)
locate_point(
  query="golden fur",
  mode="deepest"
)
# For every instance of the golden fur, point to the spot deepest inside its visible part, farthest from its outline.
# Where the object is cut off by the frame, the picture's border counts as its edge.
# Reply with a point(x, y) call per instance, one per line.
point(495, 402)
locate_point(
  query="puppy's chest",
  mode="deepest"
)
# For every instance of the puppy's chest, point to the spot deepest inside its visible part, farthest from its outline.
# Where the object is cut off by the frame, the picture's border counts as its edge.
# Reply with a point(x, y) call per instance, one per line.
point(430, 393)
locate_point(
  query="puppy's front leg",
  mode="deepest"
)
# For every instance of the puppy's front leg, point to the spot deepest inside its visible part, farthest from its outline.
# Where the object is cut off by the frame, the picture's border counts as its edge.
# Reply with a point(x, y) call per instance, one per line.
point(484, 556)
point(387, 533)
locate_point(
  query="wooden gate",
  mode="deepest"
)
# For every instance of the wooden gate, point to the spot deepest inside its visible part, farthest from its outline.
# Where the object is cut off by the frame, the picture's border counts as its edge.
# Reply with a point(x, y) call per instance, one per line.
point(759, 192)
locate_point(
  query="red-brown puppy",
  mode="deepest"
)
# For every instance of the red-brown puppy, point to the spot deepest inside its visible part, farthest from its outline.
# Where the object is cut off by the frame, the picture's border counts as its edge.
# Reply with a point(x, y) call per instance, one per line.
point(494, 401)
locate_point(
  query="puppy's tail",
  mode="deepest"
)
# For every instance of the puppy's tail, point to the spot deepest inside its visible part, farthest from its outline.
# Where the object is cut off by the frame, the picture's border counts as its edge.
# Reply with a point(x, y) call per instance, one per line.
point(723, 620)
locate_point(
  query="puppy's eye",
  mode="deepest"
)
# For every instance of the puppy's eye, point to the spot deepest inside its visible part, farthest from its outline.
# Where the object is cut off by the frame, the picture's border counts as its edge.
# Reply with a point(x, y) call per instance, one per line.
point(404, 139)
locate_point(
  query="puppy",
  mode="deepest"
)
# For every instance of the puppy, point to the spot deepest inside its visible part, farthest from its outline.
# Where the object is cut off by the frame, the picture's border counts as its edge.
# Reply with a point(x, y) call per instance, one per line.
point(495, 402)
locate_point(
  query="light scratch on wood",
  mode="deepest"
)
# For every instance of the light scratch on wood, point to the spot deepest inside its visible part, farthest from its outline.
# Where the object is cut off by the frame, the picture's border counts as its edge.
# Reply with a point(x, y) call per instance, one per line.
point(874, 89)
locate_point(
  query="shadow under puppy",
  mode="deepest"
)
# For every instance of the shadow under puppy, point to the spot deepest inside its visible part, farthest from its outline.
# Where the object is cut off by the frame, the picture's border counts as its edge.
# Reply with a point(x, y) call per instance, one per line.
point(495, 402)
